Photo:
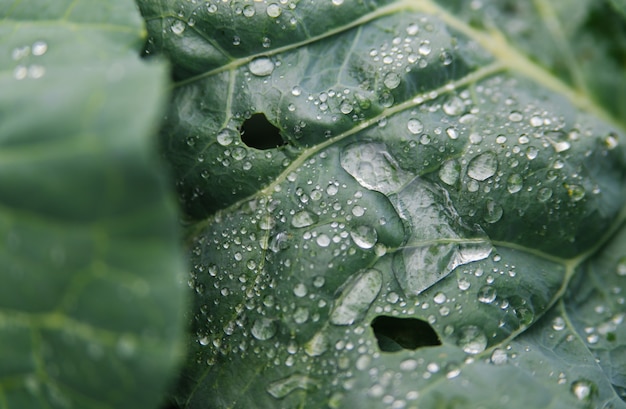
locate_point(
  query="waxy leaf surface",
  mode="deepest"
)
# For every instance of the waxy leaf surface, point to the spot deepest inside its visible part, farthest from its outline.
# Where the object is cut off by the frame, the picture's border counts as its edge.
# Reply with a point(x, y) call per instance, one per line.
point(438, 166)
point(91, 300)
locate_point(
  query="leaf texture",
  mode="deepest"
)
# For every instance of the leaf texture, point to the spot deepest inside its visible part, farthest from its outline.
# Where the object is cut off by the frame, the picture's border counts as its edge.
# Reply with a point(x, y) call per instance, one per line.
point(454, 164)
point(91, 299)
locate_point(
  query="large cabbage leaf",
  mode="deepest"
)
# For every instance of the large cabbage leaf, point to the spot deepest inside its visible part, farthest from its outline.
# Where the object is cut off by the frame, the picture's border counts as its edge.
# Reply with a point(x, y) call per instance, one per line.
point(91, 296)
point(400, 204)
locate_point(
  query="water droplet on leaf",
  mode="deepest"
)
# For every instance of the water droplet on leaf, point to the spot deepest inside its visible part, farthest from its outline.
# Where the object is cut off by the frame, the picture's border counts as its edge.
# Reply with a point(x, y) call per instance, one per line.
point(263, 329)
point(303, 219)
point(425, 259)
point(323, 240)
point(516, 116)
point(178, 27)
point(373, 167)
point(483, 166)
point(391, 80)
point(364, 236)
point(454, 106)
point(487, 294)
point(583, 389)
point(226, 136)
point(532, 152)
point(356, 296)
point(514, 183)
point(415, 126)
point(494, 212)
point(261, 67)
point(249, 11)
point(274, 10)
point(449, 172)
point(452, 133)
point(472, 339)
point(544, 194)
point(39, 48)
point(499, 356)
point(412, 29)
point(558, 324)
point(283, 387)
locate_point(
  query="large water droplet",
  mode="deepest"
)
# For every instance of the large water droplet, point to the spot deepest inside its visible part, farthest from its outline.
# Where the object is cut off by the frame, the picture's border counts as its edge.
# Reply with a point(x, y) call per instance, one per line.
point(425, 48)
point(263, 329)
point(438, 241)
point(323, 240)
point(391, 80)
point(226, 136)
point(346, 107)
point(611, 141)
point(261, 67)
point(452, 133)
point(514, 183)
point(499, 356)
point(283, 387)
point(494, 212)
point(373, 167)
point(178, 27)
point(39, 48)
point(532, 152)
point(558, 324)
point(583, 389)
point(364, 236)
point(356, 296)
point(449, 172)
point(483, 166)
point(472, 339)
point(454, 106)
point(274, 10)
point(487, 294)
point(415, 126)
point(575, 192)
point(303, 219)
point(544, 194)
point(279, 242)
point(516, 116)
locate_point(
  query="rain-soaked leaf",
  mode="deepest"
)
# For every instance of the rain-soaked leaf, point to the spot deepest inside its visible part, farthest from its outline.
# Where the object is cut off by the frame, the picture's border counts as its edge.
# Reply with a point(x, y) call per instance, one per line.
point(434, 176)
point(91, 301)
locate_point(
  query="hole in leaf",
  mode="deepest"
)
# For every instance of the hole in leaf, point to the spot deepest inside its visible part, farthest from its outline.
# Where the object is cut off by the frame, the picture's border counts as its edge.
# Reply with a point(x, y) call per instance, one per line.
point(395, 334)
point(257, 132)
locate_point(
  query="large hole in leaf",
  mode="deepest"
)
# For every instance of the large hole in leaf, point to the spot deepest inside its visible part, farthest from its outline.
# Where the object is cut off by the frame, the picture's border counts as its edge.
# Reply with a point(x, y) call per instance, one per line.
point(257, 132)
point(395, 334)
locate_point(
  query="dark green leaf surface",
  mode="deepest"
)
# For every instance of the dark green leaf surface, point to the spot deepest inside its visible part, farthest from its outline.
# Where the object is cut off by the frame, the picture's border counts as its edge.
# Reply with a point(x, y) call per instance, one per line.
point(456, 163)
point(90, 301)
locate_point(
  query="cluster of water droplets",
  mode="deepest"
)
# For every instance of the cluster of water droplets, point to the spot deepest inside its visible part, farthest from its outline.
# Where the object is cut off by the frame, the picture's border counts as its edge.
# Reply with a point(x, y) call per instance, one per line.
point(27, 59)
point(297, 264)
point(194, 11)
point(524, 155)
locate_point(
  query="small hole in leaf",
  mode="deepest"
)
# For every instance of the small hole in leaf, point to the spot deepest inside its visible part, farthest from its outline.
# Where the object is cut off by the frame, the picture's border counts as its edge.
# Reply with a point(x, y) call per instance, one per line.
point(257, 132)
point(395, 334)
